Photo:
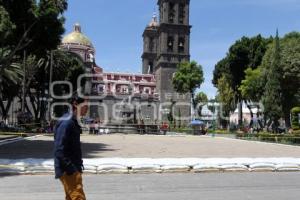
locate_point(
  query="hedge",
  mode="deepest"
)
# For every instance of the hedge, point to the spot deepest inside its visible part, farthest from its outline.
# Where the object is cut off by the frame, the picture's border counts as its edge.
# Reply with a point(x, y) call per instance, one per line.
point(295, 112)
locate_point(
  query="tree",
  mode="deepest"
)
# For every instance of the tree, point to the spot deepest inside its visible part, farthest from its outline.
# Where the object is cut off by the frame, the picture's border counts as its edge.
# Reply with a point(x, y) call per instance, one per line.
point(10, 71)
point(244, 53)
point(220, 70)
point(66, 66)
point(226, 96)
point(252, 87)
point(295, 115)
point(290, 63)
point(273, 92)
point(36, 27)
point(201, 100)
point(187, 78)
point(290, 71)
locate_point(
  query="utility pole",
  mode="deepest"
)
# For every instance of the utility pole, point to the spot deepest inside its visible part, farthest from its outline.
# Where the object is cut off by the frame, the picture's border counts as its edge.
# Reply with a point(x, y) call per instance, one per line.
point(24, 82)
point(50, 82)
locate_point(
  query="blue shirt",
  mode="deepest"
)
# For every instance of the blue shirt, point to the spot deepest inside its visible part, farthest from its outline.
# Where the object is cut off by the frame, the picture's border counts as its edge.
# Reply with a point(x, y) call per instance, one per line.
point(67, 147)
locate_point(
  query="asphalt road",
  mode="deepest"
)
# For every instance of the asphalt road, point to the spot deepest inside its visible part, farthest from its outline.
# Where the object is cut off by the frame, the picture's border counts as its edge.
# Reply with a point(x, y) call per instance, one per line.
point(231, 186)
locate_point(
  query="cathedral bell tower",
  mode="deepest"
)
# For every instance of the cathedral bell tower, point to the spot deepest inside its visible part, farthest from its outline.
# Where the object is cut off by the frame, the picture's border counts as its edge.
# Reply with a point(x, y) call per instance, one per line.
point(174, 48)
point(166, 44)
point(174, 42)
point(150, 37)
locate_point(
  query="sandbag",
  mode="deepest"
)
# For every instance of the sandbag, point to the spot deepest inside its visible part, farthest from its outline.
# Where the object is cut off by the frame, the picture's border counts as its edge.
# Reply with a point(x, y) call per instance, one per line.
point(145, 168)
point(264, 167)
point(175, 168)
point(206, 168)
point(234, 168)
point(112, 169)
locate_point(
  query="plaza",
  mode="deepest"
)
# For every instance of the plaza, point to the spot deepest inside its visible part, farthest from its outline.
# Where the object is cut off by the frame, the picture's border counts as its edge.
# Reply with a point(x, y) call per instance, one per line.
point(150, 78)
point(151, 146)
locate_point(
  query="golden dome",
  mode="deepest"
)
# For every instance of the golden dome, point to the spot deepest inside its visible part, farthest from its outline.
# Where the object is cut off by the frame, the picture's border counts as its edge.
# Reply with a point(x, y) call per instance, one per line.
point(76, 37)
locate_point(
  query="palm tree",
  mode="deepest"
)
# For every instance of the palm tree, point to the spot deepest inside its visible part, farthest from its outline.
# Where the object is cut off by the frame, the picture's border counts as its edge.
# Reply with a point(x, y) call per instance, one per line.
point(10, 77)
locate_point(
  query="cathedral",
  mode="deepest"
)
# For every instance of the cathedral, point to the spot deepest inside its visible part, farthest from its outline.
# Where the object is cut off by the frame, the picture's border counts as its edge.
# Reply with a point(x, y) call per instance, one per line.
point(146, 98)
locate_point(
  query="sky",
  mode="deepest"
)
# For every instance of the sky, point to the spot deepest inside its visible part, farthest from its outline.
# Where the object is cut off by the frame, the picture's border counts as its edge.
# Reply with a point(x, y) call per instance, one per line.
point(115, 28)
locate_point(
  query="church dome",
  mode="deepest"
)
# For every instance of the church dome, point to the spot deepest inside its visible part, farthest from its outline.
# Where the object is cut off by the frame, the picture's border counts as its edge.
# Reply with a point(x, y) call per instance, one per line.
point(77, 38)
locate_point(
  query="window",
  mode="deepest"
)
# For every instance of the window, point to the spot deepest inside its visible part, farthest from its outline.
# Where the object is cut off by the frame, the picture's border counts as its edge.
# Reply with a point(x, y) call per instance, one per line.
point(101, 88)
point(181, 45)
point(171, 13)
point(170, 43)
point(151, 44)
point(150, 68)
point(181, 13)
point(124, 90)
point(147, 90)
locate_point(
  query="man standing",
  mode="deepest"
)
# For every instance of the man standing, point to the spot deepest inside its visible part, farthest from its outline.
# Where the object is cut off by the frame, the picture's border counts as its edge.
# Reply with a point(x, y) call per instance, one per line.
point(67, 151)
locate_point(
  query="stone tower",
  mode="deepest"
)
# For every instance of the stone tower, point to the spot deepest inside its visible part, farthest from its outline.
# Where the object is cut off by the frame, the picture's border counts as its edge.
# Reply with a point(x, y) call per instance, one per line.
point(150, 37)
point(166, 44)
point(174, 43)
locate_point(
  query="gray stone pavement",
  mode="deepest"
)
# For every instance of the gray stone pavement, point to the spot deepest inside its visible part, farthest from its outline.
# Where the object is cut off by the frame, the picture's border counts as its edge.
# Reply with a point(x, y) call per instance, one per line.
point(149, 146)
point(220, 186)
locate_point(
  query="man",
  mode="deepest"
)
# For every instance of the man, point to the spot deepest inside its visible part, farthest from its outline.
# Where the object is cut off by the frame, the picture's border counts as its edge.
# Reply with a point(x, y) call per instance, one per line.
point(67, 151)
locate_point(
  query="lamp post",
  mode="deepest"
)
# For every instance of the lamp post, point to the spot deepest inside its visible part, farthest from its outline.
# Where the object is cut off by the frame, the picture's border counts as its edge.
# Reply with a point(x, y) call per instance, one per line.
point(24, 83)
point(215, 118)
point(50, 82)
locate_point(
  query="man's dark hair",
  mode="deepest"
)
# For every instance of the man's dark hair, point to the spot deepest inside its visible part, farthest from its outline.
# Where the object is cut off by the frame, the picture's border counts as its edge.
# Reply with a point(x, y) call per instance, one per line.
point(76, 99)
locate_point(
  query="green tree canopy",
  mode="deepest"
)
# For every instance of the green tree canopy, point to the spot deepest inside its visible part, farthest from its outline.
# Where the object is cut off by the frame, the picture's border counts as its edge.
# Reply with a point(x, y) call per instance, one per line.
point(273, 91)
point(34, 27)
point(243, 54)
point(201, 100)
point(289, 66)
point(252, 87)
point(188, 77)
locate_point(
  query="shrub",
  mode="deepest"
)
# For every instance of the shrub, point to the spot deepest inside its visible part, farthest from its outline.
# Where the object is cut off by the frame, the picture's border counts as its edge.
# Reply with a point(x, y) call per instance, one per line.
point(296, 132)
point(295, 118)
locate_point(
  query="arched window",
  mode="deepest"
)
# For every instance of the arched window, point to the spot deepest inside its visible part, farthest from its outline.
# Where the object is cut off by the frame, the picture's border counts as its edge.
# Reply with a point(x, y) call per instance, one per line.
point(150, 68)
point(170, 43)
point(171, 12)
point(181, 13)
point(181, 44)
point(151, 44)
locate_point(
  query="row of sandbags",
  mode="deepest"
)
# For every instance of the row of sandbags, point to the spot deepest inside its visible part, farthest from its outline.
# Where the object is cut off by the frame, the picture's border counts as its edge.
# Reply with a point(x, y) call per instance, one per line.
point(162, 165)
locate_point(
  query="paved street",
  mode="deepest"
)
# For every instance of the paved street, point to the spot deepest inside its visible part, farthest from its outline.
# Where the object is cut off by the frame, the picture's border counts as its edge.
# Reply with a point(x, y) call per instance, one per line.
point(149, 146)
point(245, 186)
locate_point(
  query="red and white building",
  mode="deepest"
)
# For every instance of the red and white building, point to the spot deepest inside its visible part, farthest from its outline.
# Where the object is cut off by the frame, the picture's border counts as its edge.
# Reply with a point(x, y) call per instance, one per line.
point(116, 97)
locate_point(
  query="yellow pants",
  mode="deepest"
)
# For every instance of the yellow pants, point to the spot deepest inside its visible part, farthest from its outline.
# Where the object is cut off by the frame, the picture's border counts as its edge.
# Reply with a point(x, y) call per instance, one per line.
point(73, 186)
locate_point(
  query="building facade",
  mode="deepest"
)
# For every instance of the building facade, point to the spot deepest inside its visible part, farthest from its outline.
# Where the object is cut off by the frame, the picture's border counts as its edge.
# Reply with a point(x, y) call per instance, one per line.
point(141, 98)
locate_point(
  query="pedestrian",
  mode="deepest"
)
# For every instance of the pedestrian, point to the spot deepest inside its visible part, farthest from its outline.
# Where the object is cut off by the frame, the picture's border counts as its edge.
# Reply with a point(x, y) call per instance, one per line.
point(67, 150)
point(96, 128)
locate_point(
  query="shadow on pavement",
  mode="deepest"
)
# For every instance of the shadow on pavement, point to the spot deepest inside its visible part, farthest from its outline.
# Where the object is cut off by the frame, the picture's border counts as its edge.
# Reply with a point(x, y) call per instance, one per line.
point(43, 149)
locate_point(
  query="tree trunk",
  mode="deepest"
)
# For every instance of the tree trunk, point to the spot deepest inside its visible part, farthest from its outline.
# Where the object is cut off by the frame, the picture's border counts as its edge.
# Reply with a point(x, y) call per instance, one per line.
point(287, 119)
point(250, 109)
point(5, 108)
point(4, 114)
point(193, 105)
point(240, 114)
